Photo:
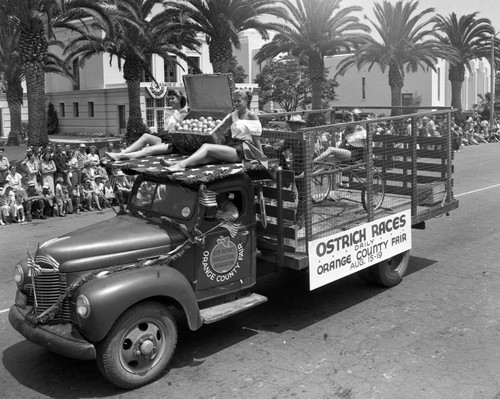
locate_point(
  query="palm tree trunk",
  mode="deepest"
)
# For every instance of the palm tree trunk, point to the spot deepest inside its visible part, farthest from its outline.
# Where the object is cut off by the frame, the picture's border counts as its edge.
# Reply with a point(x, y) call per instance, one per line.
point(317, 76)
point(396, 80)
point(220, 54)
point(14, 100)
point(132, 71)
point(33, 48)
point(456, 75)
point(37, 116)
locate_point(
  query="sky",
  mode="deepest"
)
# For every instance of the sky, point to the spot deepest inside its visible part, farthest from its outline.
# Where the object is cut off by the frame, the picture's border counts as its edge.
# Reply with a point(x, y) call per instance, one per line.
point(487, 8)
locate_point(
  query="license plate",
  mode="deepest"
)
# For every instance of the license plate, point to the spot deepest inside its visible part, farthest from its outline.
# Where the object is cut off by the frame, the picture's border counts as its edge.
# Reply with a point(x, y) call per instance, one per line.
point(21, 300)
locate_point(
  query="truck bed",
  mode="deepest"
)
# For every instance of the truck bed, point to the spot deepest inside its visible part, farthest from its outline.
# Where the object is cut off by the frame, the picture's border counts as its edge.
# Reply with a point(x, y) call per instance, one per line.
point(417, 174)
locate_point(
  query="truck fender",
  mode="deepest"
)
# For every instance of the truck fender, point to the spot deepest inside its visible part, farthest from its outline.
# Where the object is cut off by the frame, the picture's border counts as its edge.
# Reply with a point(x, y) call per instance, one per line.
point(112, 294)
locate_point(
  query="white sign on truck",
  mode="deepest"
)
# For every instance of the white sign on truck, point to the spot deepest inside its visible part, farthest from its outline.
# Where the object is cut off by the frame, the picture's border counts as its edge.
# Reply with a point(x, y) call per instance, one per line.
point(341, 254)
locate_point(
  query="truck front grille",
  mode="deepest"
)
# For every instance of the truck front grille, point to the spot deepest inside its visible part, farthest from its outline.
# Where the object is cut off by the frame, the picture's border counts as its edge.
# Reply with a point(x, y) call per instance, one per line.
point(49, 286)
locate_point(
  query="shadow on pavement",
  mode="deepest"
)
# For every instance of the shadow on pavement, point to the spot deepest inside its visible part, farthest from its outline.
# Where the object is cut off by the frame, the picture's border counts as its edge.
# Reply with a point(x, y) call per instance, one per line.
point(290, 307)
point(53, 375)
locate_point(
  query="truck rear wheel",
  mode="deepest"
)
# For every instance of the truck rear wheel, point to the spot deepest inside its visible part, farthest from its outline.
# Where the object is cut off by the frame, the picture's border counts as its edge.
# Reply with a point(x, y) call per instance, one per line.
point(390, 272)
point(139, 346)
point(387, 273)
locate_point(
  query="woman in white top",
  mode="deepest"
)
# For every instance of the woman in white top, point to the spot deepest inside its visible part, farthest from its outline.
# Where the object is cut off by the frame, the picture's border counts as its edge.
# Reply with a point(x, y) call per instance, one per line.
point(244, 142)
point(150, 144)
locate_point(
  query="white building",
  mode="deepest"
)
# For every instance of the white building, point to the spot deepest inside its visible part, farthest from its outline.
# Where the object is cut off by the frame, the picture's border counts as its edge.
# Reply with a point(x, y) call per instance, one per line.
point(364, 88)
point(97, 103)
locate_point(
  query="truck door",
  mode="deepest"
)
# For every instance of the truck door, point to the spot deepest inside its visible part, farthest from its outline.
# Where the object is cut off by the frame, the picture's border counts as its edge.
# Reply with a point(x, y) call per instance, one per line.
point(225, 259)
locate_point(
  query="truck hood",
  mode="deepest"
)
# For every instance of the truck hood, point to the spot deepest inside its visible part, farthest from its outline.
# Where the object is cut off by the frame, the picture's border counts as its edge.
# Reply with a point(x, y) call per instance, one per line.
point(119, 240)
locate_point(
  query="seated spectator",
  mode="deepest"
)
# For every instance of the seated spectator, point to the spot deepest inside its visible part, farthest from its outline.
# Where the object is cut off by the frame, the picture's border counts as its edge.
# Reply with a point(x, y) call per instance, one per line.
point(20, 199)
point(92, 156)
point(14, 178)
point(36, 207)
point(76, 198)
point(4, 167)
point(48, 197)
point(5, 205)
point(99, 190)
point(91, 195)
point(109, 193)
point(9, 208)
point(123, 187)
point(88, 171)
point(67, 199)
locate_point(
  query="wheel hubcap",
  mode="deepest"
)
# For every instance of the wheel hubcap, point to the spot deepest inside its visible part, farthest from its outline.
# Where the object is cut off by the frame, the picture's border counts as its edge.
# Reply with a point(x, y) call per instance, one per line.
point(141, 345)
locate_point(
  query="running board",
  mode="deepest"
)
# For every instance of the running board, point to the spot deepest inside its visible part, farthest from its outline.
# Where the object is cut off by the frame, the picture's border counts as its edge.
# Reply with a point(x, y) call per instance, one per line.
point(222, 311)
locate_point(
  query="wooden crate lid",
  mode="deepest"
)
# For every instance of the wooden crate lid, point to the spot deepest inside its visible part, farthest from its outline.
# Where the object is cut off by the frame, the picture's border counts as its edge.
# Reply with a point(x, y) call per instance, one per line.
point(211, 92)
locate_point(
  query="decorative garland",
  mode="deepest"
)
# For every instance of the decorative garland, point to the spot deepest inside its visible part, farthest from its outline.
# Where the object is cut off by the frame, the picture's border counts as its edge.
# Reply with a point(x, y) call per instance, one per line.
point(165, 259)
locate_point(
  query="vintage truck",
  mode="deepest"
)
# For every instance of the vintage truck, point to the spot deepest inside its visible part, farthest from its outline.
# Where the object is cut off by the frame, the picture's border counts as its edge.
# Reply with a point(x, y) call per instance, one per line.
point(115, 291)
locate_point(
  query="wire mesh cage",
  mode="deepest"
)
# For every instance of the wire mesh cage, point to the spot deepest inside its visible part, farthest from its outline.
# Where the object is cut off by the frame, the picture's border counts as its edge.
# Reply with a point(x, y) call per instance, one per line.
point(341, 175)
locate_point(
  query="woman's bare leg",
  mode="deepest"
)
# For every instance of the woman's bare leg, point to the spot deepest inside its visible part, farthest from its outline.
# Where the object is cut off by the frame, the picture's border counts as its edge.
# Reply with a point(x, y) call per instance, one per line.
point(142, 142)
point(156, 149)
point(207, 153)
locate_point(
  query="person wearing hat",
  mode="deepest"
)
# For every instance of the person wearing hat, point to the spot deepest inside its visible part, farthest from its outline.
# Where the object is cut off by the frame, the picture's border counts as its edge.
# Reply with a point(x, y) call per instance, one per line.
point(123, 187)
point(35, 204)
point(4, 167)
point(48, 198)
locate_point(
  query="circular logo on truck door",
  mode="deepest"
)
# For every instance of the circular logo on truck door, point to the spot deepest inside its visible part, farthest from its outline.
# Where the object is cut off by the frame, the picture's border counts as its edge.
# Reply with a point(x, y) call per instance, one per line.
point(224, 255)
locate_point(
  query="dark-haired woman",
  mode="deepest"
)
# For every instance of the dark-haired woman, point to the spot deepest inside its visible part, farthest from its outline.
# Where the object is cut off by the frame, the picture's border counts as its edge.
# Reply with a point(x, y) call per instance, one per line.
point(150, 144)
point(244, 142)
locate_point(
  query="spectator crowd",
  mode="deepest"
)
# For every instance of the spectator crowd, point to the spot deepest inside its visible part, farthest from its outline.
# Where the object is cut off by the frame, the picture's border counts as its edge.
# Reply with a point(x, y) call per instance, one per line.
point(58, 180)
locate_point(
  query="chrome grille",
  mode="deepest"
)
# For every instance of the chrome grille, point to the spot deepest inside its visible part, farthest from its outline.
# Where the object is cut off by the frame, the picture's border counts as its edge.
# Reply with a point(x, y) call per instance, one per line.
point(49, 285)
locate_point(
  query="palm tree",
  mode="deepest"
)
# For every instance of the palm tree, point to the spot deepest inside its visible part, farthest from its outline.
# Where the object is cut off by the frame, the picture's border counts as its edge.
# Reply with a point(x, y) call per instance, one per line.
point(138, 35)
point(471, 39)
point(35, 21)
point(407, 42)
point(313, 30)
point(12, 71)
point(10, 68)
point(221, 21)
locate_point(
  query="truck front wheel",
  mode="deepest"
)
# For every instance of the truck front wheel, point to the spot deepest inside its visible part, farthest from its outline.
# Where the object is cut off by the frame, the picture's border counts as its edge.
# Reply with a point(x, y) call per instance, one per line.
point(139, 346)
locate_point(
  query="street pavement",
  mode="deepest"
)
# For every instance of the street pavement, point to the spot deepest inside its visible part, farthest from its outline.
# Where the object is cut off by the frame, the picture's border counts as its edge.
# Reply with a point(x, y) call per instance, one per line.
point(436, 335)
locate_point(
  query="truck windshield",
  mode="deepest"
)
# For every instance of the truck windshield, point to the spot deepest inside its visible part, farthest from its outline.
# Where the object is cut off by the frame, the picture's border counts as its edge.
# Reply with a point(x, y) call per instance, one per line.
point(168, 199)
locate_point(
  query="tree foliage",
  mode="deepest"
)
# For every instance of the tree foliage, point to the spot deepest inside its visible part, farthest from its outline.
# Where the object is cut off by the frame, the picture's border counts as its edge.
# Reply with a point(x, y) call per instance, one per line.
point(405, 42)
point(287, 83)
point(470, 37)
point(312, 30)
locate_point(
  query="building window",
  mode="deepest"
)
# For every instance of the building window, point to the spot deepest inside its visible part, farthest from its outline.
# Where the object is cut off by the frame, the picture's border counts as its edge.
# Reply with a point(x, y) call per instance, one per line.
point(150, 117)
point(159, 119)
point(62, 111)
point(155, 108)
point(91, 109)
point(76, 111)
point(76, 74)
point(363, 88)
point(170, 70)
point(195, 61)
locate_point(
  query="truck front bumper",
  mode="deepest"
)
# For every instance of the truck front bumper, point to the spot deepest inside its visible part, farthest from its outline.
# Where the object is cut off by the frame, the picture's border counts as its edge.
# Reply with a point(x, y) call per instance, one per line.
point(59, 338)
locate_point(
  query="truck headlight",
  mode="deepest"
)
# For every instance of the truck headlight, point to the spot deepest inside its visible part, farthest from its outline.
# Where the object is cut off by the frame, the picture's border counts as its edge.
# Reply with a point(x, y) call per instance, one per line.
point(19, 274)
point(83, 306)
